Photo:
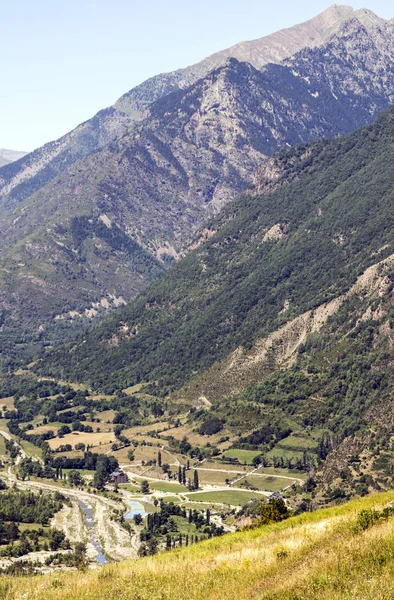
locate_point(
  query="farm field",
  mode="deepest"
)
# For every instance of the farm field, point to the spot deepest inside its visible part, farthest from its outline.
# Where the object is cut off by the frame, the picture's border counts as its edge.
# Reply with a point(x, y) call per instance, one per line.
point(224, 466)
point(302, 443)
point(244, 456)
point(266, 483)
point(284, 453)
point(284, 472)
point(231, 497)
point(193, 437)
point(215, 477)
point(166, 487)
point(31, 449)
point(93, 439)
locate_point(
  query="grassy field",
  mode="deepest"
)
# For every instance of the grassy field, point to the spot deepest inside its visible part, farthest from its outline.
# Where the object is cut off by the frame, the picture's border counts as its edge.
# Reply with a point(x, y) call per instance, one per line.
point(31, 449)
point(285, 453)
point(7, 402)
point(286, 472)
point(268, 483)
point(300, 443)
point(2, 446)
point(93, 439)
point(244, 456)
point(316, 556)
point(223, 466)
point(232, 497)
point(215, 477)
point(175, 488)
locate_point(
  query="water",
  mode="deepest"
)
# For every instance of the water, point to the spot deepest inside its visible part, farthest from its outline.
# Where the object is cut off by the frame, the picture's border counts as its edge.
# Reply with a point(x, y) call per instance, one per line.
point(136, 508)
point(87, 512)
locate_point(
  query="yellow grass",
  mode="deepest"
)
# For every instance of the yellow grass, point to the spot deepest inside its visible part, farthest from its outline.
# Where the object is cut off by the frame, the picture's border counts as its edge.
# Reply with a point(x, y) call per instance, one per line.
point(316, 556)
point(142, 429)
point(7, 402)
point(194, 438)
point(93, 439)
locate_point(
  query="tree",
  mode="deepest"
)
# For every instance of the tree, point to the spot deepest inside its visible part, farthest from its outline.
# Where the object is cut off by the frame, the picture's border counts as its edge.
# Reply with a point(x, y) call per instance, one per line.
point(256, 461)
point(74, 478)
point(130, 455)
point(196, 483)
point(144, 486)
point(208, 516)
point(274, 511)
point(80, 558)
point(159, 458)
point(166, 468)
point(137, 519)
point(180, 478)
point(103, 468)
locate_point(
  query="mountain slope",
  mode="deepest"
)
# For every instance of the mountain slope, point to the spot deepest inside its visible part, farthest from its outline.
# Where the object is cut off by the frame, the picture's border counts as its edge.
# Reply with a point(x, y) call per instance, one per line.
point(320, 216)
point(272, 48)
point(160, 181)
point(333, 553)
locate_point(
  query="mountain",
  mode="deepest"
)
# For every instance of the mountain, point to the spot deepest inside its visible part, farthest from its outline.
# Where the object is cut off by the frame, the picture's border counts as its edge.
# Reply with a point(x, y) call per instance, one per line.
point(317, 217)
point(9, 156)
point(99, 232)
point(341, 552)
point(272, 48)
point(44, 164)
point(283, 312)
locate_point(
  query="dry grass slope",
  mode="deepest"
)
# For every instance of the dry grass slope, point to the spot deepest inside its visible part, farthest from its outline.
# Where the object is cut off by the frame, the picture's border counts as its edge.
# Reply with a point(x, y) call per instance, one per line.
point(314, 556)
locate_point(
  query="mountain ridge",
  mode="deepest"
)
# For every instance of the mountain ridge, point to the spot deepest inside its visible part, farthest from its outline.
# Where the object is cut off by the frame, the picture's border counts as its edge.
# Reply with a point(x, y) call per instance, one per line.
point(118, 217)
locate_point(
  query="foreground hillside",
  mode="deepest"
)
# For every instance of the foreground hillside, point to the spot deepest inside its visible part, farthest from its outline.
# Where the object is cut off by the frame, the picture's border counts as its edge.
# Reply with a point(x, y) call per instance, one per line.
point(337, 553)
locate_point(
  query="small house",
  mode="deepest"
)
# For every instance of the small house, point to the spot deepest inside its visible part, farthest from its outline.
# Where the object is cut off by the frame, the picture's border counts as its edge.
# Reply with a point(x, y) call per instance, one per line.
point(275, 496)
point(118, 477)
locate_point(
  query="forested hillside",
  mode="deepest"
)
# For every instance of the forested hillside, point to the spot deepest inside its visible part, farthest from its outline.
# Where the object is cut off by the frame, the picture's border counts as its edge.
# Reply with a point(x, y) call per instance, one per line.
point(318, 217)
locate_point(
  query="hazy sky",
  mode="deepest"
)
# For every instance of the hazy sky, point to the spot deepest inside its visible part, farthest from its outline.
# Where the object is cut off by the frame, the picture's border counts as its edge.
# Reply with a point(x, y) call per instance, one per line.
point(61, 62)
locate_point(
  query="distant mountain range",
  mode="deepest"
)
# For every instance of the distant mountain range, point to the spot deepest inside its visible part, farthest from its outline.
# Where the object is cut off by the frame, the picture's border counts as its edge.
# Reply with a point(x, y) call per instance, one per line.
point(88, 221)
point(9, 156)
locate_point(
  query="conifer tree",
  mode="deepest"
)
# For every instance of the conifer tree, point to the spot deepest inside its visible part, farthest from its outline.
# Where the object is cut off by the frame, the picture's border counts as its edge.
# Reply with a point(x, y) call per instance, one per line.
point(180, 474)
point(159, 458)
point(208, 516)
point(196, 483)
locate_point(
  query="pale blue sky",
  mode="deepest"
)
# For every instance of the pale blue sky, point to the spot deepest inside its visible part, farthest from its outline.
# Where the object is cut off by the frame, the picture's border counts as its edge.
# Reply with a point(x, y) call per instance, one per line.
point(61, 62)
